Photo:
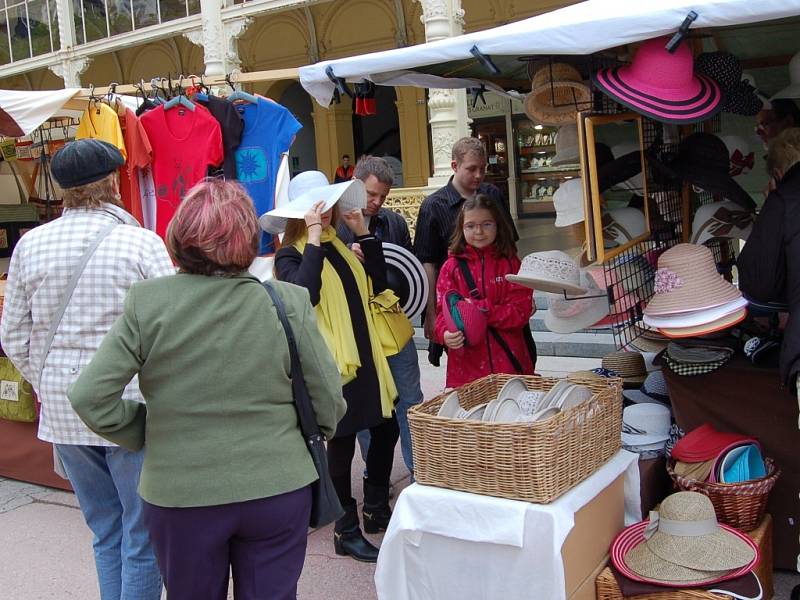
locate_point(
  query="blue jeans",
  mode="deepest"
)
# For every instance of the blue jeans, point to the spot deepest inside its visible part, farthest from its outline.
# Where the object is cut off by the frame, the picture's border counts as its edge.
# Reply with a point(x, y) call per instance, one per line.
point(405, 371)
point(105, 480)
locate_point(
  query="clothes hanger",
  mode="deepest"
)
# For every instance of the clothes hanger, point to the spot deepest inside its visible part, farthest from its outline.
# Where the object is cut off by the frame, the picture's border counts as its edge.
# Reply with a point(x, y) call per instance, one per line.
point(239, 94)
point(93, 99)
point(180, 99)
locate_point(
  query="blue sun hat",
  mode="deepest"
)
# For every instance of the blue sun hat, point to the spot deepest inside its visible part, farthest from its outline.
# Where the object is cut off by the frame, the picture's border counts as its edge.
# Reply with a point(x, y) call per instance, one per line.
point(743, 463)
point(308, 188)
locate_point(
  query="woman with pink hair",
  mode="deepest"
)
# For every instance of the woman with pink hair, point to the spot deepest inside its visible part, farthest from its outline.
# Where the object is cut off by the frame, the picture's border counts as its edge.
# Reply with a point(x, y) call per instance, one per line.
point(226, 476)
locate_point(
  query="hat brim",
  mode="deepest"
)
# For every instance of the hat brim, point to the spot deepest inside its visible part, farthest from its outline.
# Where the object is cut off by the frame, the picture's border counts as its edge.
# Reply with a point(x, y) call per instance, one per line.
point(713, 327)
point(567, 218)
point(714, 182)
point(558, 115)
point(695, 318)
point(666, 573)
point(631, 439)
point(682, 108)
point(791, 91)
point(595, 311)
point(639, 397)
point(546, 285)
point(350, 195)
point(413, 281)
point(567, 156)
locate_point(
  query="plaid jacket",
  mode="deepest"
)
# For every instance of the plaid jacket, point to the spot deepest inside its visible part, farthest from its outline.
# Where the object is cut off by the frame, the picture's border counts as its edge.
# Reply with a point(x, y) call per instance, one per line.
point(41, 267)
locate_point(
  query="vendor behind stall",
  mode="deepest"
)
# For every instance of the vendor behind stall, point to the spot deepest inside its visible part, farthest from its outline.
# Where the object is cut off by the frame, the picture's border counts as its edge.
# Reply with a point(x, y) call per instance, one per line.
point(769, 265)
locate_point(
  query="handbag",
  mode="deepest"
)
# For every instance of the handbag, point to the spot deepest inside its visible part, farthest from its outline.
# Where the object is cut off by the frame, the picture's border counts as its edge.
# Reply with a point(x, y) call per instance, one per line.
point(17, 399)
point(325, 505)
point(391, 323)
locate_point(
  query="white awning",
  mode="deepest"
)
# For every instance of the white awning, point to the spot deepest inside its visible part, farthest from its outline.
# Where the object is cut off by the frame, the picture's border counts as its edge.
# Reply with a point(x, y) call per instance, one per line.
point(583, 28)
point(21, 112)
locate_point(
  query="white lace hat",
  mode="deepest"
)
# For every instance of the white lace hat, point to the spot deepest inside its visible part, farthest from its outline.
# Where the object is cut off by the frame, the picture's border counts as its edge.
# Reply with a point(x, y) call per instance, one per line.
point(550, 271)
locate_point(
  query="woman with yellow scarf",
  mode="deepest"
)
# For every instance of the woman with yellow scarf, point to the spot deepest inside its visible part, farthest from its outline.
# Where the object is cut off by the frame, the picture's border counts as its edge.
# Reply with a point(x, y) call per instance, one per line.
point(313, 256)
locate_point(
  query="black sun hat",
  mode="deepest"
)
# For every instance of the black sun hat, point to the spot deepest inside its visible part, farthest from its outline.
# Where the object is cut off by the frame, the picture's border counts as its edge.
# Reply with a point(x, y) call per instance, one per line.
point(703, 160)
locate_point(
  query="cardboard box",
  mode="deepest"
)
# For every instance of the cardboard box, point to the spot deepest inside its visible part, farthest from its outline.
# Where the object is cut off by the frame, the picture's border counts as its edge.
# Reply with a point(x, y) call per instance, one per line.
point(586, 546)
point(588, 589)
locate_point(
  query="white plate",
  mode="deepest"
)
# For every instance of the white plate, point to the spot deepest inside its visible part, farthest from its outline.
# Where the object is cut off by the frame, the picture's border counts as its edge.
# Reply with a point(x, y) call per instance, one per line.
point(545, 414)
point(529, 401)
point(512, 388)
point(449, 407)
point(476, 412)
point(507, 411)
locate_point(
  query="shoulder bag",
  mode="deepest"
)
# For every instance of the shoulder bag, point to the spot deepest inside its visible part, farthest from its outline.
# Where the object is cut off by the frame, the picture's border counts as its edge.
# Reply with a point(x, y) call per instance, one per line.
point(325, 505)
point(391, 323)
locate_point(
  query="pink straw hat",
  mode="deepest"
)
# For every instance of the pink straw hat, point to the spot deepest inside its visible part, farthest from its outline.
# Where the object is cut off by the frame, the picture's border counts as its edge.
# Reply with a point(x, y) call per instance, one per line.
point(687, 280)
point(662, 85)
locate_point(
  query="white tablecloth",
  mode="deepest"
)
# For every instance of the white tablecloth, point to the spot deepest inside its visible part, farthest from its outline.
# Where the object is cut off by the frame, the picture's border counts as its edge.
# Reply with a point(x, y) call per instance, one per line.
point(442, 544)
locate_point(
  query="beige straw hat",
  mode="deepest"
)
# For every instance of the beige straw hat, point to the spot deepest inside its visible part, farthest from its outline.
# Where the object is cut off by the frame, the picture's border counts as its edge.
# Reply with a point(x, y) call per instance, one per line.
point(687, 280)
point(698, 471)
point(628, 365)
point(684, 543)
point(557, 94)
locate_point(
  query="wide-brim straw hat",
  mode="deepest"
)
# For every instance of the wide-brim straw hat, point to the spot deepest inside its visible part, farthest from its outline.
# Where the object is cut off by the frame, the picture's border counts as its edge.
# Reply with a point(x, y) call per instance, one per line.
point(683, 544)
point(566, 146)
point(630, 366)
point(687, 280)
point(308, 188)
point(662, 85)
point(557, 94)
point(574, 314)
point(549, 271)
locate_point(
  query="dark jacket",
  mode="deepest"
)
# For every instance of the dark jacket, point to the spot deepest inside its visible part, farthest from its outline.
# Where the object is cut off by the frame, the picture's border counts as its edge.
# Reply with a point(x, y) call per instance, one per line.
point(387, 226)
point(769, 265)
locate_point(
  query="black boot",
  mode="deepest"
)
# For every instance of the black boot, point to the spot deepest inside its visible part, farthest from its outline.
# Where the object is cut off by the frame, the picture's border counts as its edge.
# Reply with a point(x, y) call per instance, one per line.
point(376, 507)
point(348, 539)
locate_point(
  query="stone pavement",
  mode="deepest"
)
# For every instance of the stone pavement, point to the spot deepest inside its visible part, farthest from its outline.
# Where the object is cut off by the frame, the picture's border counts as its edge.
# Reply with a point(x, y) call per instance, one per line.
point(45, 547)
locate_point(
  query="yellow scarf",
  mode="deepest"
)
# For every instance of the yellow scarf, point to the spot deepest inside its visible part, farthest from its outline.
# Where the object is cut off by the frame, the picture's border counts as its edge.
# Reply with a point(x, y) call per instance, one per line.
point(333, 320)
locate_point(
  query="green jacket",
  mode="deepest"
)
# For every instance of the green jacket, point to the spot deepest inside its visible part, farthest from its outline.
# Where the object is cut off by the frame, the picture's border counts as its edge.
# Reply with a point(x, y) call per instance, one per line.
point(219, 424)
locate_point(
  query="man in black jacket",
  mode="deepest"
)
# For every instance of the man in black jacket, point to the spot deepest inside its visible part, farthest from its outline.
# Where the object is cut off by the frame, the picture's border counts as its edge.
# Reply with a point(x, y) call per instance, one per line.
point(769, 265)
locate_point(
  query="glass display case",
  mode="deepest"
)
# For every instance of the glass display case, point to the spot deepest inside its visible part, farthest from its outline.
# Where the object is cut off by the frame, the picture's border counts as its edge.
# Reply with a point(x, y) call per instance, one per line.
point(492, 132)
point(537, 178)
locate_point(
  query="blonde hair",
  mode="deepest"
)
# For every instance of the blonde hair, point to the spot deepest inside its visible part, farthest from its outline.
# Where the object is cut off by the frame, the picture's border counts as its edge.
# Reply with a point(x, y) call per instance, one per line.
point(468, 145)
point(784, 150)
point(95, 194)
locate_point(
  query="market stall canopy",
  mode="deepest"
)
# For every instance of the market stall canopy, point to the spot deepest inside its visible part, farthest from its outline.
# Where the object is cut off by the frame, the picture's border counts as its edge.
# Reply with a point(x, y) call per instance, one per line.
point(580, 29)
point(21, 112)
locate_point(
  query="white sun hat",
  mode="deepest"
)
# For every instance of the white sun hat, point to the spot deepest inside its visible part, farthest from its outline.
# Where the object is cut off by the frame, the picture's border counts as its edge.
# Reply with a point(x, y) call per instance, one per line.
point(308, 188)
point(568, 202)
point(724, 219)
point(566, 146)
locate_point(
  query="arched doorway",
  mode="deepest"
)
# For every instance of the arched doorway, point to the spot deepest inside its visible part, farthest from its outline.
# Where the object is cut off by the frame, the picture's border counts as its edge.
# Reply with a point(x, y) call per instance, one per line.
point(379, 134)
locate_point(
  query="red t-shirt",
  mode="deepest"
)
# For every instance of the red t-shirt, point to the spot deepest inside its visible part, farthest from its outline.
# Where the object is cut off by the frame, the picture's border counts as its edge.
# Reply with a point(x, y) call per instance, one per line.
point(139, 151)
point(185, 143)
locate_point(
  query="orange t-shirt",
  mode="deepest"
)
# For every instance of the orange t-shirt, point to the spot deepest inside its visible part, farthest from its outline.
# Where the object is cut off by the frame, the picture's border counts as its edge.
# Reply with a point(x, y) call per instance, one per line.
point(139, 155)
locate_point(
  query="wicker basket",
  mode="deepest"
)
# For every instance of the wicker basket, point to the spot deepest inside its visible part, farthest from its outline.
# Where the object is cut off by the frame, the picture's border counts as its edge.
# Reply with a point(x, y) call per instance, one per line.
point(740, 505)
point(534, 462)
point(607, 589)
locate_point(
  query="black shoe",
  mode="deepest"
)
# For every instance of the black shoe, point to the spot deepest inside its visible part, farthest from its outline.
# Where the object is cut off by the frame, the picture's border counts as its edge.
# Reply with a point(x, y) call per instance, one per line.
point(348, 539)
point(376, 507)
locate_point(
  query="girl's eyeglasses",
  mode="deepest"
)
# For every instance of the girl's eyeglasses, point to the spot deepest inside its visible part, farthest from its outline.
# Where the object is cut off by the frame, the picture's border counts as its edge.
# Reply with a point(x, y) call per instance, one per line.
point(487, 226)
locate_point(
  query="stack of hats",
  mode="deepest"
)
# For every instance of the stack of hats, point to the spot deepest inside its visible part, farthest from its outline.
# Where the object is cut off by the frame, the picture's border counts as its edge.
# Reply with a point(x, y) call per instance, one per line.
point(653, 391)
point(630, 366)
point(691, 359)
point(691, 298)
point(662, 85)
point(645, 428)
point(682, 546)
point(705, 454)
point(557, 94)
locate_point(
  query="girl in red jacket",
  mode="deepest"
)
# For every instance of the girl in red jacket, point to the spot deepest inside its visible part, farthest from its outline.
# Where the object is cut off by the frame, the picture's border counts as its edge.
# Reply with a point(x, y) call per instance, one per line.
point(483, 244)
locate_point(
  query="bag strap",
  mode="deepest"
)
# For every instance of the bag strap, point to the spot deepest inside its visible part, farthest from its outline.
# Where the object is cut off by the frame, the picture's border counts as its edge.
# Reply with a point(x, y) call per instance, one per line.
point(302, 399)
point(474, 293)
point(73, 282)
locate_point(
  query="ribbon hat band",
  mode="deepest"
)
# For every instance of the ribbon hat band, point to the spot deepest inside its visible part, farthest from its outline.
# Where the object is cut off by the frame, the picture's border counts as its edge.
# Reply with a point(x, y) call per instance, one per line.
point(680, 528)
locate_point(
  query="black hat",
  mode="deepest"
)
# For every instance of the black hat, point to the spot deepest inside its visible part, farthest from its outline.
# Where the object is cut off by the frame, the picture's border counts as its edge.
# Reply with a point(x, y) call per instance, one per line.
point(84, 161)
point(743, 100)
point(703, 160)
point(726, 70)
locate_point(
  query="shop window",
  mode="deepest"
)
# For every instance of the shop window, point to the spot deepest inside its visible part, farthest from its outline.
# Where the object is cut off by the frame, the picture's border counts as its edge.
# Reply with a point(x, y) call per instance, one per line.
point(27, 29)
point(379, 134)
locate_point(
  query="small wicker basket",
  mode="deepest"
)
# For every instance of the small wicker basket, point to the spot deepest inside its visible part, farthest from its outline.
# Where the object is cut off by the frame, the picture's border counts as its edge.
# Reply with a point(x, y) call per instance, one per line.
point(608, 589)
point(740, 505)
point(533, 462)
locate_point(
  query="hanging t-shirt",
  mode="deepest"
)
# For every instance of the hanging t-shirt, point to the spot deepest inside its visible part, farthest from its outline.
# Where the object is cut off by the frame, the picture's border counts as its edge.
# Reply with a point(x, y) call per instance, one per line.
point(185, 144)
point(231, 124)
point(269, 129)
point(101, 122)
point(139, 151)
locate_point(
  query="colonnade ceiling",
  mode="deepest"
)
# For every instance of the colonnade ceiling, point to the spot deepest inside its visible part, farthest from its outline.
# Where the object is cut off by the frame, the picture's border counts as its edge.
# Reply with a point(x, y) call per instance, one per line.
point(484, 14)
point(40, 79)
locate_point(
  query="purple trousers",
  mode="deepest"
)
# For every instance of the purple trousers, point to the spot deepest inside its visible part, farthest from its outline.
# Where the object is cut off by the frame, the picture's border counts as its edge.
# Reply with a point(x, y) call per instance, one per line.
point(263, 543)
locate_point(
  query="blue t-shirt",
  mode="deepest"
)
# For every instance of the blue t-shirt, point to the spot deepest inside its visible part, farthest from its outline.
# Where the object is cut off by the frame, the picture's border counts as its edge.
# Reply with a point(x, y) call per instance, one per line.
point(268, 132)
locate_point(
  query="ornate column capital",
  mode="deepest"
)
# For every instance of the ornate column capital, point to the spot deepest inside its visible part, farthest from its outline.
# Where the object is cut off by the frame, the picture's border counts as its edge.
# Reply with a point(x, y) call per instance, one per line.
point(71, 69)
point(442, 18)
point(234, 29)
